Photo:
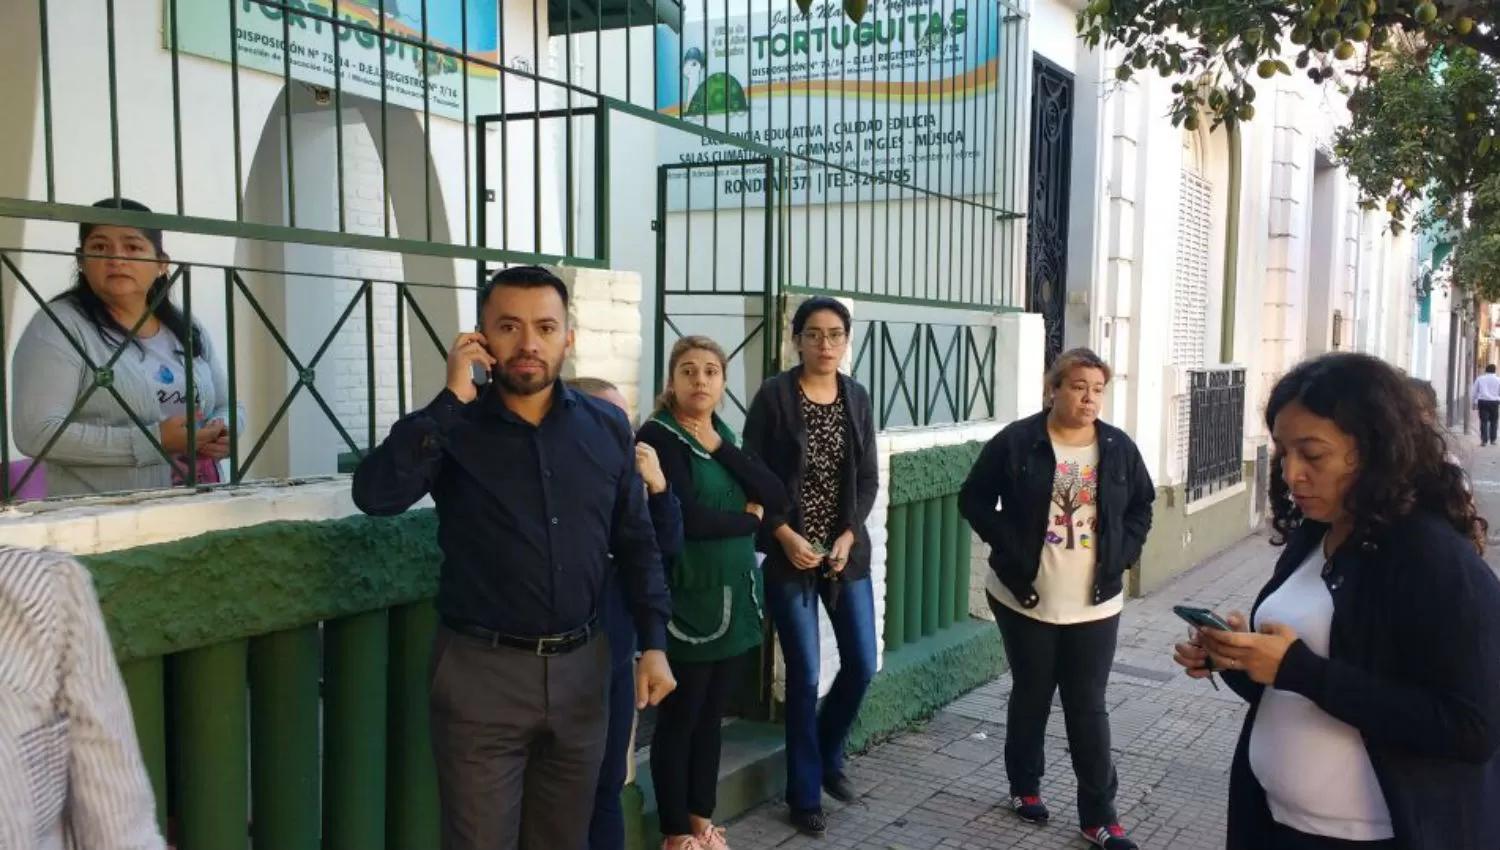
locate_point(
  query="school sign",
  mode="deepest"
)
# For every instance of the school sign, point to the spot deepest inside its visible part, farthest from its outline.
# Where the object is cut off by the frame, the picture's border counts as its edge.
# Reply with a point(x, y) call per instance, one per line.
point(257, 36)
point(906, 97)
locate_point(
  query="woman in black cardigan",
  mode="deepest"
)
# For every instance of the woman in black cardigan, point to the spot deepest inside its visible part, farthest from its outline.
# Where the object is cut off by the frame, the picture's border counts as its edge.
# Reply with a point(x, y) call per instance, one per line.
point(1371, 660)
point(815, 428)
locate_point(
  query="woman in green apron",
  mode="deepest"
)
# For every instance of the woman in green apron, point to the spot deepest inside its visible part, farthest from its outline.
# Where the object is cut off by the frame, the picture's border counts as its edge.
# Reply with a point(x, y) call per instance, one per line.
point(715, 583)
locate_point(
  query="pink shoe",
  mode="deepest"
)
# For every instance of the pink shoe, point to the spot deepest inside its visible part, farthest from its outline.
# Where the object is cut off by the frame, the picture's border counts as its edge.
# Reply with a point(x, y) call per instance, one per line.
point(683, 842)
point(713, 839)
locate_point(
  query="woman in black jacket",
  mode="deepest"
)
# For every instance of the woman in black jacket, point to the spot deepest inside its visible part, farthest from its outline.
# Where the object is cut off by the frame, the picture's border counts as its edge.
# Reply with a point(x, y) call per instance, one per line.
point(1371, 660)
point(1074, 509)
point(815, 428)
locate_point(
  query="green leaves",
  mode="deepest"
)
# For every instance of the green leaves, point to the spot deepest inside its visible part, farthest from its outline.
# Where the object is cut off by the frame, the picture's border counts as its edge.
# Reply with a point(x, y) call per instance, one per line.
point(1233, 41)
point(1420, 78)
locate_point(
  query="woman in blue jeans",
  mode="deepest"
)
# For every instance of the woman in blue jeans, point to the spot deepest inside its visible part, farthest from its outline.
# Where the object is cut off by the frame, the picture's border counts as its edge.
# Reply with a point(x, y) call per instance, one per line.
point(815, 428)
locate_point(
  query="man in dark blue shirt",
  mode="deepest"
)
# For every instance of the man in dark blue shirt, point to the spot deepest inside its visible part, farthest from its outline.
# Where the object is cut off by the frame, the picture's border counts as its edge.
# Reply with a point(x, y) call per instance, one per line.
point(538, 500)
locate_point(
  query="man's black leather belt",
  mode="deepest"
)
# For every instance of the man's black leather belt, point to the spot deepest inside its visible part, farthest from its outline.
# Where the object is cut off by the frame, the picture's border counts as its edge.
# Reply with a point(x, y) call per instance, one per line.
point(545, 646)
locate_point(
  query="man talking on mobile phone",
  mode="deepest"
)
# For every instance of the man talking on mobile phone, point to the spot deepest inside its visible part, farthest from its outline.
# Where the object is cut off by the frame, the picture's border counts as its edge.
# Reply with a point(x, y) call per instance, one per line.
point(536, 487)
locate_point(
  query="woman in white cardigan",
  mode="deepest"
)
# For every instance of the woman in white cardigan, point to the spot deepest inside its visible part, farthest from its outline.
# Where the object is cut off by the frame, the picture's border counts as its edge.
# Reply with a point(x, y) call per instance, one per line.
point(122, 271)
point(71, 773)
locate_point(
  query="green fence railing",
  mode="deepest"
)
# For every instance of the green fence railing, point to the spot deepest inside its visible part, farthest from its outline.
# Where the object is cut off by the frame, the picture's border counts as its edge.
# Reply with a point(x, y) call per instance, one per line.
point(926, 373)
point(278, 678)
point(381, 324)
point(928, 544)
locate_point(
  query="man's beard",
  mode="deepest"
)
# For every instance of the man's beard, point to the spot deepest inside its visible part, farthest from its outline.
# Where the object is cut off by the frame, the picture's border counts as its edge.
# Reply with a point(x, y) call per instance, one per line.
point(517, 385)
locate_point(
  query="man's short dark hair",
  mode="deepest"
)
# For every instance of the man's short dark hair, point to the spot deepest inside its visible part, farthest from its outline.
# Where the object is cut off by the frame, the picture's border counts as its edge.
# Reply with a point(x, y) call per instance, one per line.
point(524, 277)
point(1489, 367)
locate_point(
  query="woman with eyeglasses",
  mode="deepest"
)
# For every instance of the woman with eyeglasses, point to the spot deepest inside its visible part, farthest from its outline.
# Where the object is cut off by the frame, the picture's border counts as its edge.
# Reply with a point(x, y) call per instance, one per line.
point(815, 428)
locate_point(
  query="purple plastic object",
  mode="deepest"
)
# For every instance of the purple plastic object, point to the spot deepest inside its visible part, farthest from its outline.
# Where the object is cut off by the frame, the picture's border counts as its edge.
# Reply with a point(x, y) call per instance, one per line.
point(35, 486)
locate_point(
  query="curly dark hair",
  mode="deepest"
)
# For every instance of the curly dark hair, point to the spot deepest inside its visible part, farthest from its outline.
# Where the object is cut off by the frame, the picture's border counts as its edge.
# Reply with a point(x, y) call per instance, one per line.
point(1403, 461)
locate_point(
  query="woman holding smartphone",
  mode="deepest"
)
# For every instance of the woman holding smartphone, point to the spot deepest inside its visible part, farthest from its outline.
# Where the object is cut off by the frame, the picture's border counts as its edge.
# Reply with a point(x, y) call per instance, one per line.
point(1074, 507)
point(815, 428)
point(1371, 660)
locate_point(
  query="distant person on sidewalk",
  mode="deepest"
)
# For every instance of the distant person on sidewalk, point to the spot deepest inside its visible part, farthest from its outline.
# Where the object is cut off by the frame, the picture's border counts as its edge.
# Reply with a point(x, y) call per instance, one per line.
point(815, 428)
point(538, 503)
point(71, 773)
point(1371, 660)
point(607, 829)
point(1064, 501)
point(1487, 399)
point(1427, 408)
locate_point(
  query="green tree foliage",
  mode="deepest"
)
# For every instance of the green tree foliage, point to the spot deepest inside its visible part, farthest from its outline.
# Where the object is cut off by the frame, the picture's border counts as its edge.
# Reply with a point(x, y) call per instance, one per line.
point(1420, 76)
point(1421, 141)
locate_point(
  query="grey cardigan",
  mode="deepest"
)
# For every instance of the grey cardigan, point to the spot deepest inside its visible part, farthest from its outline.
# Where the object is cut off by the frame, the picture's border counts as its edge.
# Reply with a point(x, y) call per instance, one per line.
point(101, 450)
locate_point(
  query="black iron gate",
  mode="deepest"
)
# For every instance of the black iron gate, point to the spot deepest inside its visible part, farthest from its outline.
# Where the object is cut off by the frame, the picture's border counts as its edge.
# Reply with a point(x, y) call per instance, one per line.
point(1051, 169)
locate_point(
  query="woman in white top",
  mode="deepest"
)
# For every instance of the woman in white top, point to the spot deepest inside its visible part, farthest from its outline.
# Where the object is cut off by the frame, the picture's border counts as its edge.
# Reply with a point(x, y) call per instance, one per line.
point(1063, 500)
point(1371, 660)
point(71, 774)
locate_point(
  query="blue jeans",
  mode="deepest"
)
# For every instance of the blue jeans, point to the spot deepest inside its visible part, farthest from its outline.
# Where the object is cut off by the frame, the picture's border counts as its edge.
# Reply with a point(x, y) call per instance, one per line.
point(814, 739)
point(607, 828)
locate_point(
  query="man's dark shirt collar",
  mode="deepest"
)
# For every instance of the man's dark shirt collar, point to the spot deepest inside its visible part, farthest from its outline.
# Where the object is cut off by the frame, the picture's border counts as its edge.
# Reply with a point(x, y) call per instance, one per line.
point(491, 404)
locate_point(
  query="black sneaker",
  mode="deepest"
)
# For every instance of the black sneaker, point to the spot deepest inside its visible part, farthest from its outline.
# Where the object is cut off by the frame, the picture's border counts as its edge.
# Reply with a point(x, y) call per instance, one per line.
point(1030, 809)
point(1110, 837)
point(810, 822)
point(840, 788)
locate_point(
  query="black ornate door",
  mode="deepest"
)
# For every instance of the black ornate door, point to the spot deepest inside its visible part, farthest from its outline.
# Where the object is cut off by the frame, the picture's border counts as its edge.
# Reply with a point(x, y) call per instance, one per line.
point(1047, 226)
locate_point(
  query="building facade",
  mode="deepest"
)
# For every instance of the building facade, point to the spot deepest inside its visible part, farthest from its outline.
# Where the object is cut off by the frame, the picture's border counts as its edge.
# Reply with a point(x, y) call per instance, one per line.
point(1204, 264)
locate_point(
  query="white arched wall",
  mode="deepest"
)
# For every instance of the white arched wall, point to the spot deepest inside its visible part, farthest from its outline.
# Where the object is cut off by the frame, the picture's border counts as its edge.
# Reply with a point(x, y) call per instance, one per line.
point(319, 283)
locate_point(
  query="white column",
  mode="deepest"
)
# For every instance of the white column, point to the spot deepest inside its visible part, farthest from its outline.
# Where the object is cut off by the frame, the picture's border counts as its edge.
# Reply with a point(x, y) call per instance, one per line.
point(606, 319)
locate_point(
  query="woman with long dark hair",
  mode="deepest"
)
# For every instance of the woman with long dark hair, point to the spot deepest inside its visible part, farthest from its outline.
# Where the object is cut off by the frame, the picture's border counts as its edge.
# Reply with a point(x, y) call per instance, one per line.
point(815, 428)
point(1371, 660)
point(121, 283)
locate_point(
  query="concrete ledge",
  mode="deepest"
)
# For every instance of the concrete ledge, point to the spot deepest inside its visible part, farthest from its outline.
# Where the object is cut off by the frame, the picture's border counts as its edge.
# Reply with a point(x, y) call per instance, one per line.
point(752, 770)
point(922, 677)
point(917, 680)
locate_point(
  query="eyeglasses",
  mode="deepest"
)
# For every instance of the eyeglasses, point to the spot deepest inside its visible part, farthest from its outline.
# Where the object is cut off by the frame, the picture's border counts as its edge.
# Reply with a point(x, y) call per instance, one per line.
point(833, 338)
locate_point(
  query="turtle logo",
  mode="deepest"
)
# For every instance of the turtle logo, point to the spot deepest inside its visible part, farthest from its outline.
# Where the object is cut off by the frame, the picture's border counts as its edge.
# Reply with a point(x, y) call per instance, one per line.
point(720, 94)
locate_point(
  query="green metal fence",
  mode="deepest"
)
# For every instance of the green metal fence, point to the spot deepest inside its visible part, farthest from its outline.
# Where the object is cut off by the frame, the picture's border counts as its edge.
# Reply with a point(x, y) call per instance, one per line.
point(910, 79)
point(923, 373)
point(893, 180)
point(231, 292)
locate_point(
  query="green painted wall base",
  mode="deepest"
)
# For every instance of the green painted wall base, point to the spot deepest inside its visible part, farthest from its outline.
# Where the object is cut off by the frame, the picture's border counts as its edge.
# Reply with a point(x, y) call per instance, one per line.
point(916, 681)
point(920, 678)
point(1180, 541)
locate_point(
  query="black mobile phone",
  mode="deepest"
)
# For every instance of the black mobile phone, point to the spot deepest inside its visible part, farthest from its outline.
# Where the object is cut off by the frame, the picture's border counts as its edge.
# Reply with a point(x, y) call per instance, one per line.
point(480, 374)
point(1202, 618)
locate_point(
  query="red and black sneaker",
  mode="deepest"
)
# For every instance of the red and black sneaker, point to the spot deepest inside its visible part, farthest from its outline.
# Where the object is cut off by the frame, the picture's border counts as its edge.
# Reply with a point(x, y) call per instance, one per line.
point(1030, 809)
point(1109, 837)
